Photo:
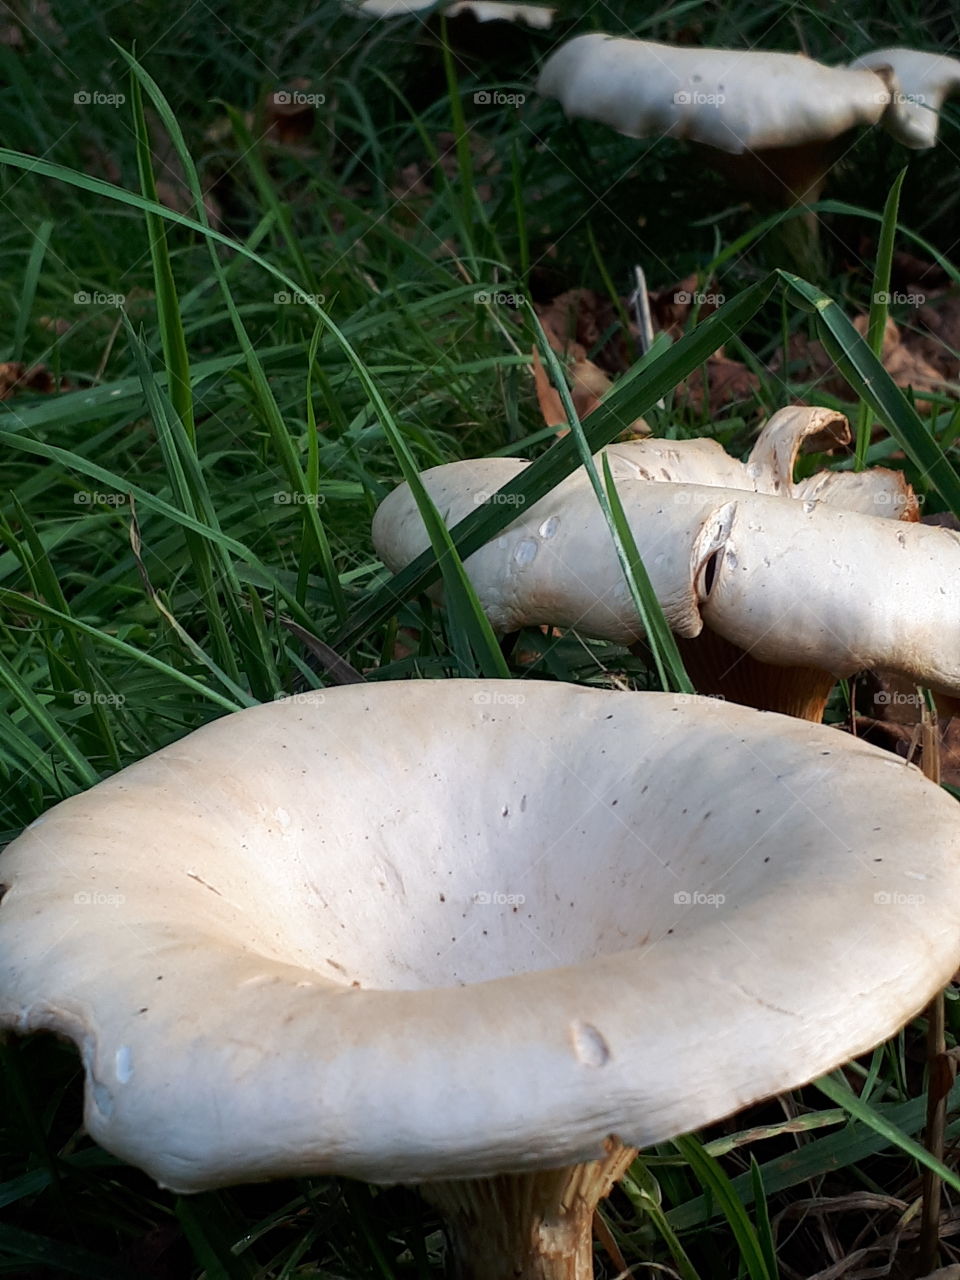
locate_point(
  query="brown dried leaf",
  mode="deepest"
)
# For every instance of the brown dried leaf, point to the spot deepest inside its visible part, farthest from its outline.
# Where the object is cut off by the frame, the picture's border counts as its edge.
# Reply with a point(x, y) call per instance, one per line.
point(892, 715)
point(15, 376)
point(728, 381)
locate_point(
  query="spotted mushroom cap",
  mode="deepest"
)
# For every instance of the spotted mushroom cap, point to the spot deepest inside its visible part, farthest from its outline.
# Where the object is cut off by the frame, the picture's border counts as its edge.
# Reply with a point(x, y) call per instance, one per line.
point(429, 930)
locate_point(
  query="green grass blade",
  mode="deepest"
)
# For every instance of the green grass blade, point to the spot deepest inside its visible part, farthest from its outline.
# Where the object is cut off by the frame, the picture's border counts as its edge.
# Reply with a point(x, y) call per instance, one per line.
point(839, 1092)
point(174, 343)
point(24, 604)
point(869, 380)
point(879, 306)
point(621, 407)
point(59, 740)
point(666, 655)
point(713, 1179)
point(28, 291)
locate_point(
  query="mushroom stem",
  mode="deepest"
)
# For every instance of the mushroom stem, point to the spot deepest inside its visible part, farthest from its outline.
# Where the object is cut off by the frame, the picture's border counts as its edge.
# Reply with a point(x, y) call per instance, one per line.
point(529, 1226)
point(721, 669)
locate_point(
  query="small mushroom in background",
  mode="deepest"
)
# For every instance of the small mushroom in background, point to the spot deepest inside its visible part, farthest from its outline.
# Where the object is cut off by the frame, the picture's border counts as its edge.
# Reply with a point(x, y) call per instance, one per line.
point(771, 122)
point(449, 933)
point(539, 17)
point(777, 112)
point(775, 589)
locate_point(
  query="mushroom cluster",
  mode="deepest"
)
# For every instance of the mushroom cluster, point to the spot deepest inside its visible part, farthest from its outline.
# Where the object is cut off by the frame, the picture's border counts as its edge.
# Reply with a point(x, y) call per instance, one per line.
point(775, 588)
point(452, 933)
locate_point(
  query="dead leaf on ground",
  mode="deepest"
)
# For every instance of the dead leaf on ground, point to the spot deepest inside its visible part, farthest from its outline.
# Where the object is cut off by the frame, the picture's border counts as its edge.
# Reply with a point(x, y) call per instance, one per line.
point(15, 376)
point(903, 356)
point(727, 382)
point(589, 321)
point(671, 307)
point(588, 384)
point(889, 715)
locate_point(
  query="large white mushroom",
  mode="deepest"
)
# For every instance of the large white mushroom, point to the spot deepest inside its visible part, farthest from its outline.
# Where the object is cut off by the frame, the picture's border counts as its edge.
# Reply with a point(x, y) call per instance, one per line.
point(772, 115)
point(456, 934)
point(785, 586)
point(733, 99)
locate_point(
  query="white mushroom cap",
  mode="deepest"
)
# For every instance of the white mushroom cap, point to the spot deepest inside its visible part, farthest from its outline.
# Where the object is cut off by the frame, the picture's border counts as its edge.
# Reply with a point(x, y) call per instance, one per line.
point(922, 82)
point(795, 581)
point(532, 15)
point(735, 100)
point(435, 930)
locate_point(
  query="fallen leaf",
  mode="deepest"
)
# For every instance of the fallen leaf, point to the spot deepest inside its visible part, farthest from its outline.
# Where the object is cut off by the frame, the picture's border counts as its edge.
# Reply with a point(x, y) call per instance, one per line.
point(902, 355)
point(579, 321)
point(727, 382)
point(889, 715)
point(15, 376)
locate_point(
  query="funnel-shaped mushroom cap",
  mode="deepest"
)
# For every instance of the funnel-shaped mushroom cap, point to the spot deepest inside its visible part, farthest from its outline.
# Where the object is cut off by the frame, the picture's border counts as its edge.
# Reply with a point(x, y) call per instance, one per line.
point(922, 82)
point(735, 100)
point(430, 930)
